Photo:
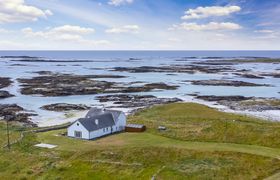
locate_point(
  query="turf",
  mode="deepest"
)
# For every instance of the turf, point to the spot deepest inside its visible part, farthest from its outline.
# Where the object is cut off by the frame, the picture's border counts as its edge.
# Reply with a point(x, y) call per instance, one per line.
point(173, 154)
point(195, 122)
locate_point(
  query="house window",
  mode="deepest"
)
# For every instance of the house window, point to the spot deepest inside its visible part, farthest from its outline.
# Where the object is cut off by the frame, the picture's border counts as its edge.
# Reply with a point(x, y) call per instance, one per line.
point(78, 134)
point(103, 129)
point(78, 124)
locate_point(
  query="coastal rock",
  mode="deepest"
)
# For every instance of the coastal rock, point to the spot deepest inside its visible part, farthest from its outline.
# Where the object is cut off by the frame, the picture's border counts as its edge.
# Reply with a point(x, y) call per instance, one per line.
point(63, 85)
point(18, 57)
point(254, 104)
point(69, 84)
point(250, 76)
point(5, 82)
point(86, 76)
point(9, 108)
point(190, 69)
point(244, 60)
point(59, 107)
point(135, 101)
point(214, 82)
point(241, 103)
point(5, 94)
point(148, 87)
point(274, 74)
point(40, 60)
point(16, 113)
point(223, 98)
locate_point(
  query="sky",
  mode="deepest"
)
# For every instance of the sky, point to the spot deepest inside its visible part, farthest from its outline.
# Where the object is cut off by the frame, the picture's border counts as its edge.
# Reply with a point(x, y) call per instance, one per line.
point(139, 24)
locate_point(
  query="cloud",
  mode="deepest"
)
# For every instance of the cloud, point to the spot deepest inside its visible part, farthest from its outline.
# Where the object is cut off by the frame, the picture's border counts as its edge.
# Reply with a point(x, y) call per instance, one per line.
point(264, 31)
point(65, 33)
point(13, 11)
point(134, 29)
point(204, 12)
point(174, 40)
point(4, 30)
point(73, 29)
point(120, 2)
point(267, 34)
point(206, 27)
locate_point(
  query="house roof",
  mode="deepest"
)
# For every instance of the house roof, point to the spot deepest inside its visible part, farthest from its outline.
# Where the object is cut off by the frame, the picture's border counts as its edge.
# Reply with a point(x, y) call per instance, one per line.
point(104, 120)
point(98, 111)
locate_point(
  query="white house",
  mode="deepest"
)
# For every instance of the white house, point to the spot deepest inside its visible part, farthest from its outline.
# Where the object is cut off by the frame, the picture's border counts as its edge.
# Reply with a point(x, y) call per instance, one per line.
point(97, 123)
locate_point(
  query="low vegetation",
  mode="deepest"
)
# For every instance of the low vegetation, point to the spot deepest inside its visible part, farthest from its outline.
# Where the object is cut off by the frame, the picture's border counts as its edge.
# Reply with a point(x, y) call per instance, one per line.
point(194, 122)
point(190, 148)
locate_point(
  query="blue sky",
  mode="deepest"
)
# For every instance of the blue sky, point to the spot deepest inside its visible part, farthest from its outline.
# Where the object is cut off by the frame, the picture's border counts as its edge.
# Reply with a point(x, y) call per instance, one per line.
point(139, 24)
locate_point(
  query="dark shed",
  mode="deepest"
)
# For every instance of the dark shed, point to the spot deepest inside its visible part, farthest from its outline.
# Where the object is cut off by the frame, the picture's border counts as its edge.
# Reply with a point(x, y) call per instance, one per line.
point(135, 128)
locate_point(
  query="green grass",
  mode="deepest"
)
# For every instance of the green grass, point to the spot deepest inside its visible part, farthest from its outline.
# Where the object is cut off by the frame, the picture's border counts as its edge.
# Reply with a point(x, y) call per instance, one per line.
point(14, 132)
point(173, 154)
point(139, 140)
point(136, 156)
point(194, 122)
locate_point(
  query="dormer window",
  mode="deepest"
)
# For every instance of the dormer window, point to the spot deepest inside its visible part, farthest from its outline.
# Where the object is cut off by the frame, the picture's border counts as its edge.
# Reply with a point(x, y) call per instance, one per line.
point(78, 124)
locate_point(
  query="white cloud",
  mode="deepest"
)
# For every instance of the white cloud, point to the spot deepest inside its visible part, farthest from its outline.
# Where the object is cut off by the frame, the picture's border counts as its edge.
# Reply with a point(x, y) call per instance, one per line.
point(204, 12)
point(4, 30)
point(174, 40)
point(204, 27)
point(134, 29)
point(120, 2)
point(12, 11)
point(264, 31)
point(64, 33)
point(267, 34)
point(73, 29)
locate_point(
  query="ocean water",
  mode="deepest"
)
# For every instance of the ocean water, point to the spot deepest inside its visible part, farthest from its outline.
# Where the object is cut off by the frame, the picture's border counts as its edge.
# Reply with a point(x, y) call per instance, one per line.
point(103, 61)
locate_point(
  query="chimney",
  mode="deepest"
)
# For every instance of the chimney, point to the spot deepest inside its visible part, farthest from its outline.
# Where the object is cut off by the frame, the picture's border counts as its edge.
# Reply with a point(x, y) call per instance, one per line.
point(96, 121)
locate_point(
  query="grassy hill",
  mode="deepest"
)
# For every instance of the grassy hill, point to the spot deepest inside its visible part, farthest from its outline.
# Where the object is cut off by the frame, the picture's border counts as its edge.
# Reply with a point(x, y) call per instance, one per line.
point(199, 143)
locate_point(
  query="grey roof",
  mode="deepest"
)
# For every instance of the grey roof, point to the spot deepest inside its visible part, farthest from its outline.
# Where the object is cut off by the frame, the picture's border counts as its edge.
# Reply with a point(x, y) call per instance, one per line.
point(104, 120)
point(98, 111)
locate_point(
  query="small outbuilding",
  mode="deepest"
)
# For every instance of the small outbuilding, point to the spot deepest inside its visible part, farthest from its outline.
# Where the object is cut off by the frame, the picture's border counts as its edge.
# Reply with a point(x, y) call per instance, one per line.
point(135, 128)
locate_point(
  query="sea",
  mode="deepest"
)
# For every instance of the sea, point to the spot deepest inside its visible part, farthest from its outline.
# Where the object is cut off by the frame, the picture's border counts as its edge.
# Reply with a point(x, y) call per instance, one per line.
point(102, 62)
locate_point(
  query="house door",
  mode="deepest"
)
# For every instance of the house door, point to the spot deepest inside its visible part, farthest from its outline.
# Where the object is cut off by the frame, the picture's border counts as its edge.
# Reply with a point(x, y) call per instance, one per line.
point(78, 134)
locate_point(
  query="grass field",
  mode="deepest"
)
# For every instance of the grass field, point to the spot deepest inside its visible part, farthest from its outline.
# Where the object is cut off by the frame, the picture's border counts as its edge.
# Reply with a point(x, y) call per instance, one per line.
point(174, 154)
point(194, 122)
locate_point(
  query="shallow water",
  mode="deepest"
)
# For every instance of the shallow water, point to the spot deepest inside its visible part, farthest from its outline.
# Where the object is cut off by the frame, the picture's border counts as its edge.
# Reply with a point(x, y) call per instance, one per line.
point(109, 59)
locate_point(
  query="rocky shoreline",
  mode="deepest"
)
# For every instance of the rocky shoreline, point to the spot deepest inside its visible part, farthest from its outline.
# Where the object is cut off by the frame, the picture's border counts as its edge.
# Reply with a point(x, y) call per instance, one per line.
point(17, 114)
point(190, 69)
point(62, 107)
point(5, 94)
point(135, 101)
point(5, 82)
point(215, 82)
point(69, 84)
point(241, 103)
point(245, 60)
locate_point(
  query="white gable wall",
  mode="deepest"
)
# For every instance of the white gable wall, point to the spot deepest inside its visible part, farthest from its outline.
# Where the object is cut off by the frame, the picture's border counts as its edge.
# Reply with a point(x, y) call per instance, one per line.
point(121, 122)
point(77, 126)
